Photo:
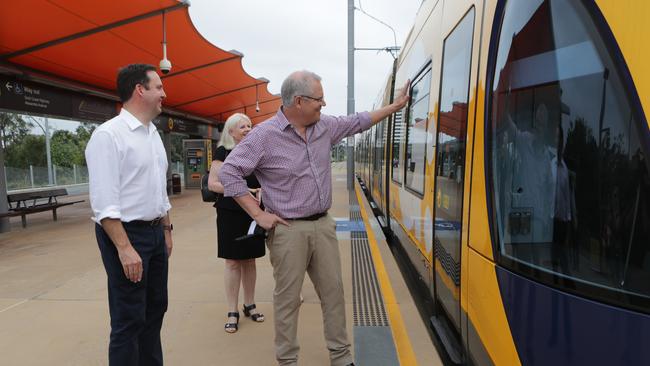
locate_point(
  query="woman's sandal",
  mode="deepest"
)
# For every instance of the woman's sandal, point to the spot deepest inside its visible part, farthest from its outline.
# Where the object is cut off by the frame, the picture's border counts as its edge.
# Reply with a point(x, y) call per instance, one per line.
point(257, 317)
point(232, 327)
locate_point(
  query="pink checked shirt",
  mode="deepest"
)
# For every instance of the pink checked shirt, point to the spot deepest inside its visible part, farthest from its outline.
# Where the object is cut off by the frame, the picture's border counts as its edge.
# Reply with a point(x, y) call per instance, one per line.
point(295, 175)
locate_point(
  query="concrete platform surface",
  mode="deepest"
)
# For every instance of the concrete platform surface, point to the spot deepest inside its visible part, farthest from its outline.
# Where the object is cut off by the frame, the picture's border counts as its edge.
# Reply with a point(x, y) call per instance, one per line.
point(54, 310)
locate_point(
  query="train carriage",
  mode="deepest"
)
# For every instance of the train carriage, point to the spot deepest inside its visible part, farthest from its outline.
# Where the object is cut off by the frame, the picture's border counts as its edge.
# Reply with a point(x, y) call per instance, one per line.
point(516, 179)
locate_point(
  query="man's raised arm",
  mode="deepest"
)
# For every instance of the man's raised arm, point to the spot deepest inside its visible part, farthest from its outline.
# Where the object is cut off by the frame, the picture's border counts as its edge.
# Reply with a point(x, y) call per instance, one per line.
point(399, 103)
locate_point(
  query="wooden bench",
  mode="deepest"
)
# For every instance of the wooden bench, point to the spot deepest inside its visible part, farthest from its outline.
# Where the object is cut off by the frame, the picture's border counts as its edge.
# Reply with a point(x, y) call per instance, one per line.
point(23, 204)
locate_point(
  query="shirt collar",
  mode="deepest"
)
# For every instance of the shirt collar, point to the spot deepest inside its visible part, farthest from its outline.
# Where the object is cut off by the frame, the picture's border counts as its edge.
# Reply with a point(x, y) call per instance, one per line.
point(283, 122)
point(133, 122)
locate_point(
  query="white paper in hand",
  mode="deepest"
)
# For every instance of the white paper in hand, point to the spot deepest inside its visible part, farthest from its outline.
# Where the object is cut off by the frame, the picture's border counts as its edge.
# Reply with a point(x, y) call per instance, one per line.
point(251, 228)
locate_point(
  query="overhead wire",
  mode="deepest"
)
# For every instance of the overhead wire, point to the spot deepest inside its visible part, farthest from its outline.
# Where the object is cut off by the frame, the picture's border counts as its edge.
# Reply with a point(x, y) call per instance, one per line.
point(360, 8)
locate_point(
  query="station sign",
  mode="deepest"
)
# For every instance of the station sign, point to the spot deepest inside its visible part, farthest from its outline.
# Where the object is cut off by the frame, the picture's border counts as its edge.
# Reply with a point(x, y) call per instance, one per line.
point(40, 99)
point(31, 97)
point(168, 123)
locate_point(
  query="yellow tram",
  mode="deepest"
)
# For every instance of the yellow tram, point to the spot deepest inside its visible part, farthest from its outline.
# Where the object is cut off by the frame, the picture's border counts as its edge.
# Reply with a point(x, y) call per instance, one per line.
point(516, 179)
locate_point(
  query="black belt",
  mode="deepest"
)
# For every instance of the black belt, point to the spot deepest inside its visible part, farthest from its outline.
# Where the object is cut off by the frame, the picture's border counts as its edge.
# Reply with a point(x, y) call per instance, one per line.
point(313, 217)
point(154, 222)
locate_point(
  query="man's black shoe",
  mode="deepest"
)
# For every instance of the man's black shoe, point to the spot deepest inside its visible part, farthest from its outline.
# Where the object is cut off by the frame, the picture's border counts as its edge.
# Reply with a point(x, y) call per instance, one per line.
point(350, 364)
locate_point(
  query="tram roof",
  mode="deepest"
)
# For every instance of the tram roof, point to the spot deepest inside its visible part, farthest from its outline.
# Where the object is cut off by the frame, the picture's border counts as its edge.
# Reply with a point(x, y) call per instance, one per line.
point(83, 43)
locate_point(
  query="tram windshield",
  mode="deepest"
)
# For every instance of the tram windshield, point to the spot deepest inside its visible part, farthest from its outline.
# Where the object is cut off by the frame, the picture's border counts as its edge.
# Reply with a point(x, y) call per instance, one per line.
point(569, 171)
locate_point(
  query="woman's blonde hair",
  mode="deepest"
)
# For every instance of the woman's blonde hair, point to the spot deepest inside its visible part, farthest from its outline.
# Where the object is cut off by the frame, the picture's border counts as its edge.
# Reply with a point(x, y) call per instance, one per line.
point(226, 139)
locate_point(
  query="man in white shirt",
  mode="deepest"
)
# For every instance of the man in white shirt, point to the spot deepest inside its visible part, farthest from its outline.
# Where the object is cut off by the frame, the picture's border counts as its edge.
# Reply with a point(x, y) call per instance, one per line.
point(127, 166)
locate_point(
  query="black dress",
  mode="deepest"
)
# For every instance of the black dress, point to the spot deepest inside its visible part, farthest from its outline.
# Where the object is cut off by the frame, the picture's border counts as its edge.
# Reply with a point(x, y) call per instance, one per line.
point(233, 222)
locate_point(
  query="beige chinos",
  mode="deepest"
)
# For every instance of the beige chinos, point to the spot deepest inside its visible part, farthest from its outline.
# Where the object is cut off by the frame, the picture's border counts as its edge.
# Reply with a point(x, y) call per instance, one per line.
point(312, 247)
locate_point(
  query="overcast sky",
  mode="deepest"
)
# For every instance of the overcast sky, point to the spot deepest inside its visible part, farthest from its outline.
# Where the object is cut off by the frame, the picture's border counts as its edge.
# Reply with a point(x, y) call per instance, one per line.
point(281, 36)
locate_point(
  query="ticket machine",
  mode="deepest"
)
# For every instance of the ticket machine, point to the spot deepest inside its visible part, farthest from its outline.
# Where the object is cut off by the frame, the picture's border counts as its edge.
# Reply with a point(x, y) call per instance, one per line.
point(197, 156)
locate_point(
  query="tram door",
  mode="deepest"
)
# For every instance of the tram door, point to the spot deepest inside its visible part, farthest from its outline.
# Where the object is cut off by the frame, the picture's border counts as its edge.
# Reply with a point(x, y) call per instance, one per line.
point(451, 137)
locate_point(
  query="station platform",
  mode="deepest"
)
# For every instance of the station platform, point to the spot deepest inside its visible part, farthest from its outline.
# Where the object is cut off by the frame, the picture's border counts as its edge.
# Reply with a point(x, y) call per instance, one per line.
point(54, 308)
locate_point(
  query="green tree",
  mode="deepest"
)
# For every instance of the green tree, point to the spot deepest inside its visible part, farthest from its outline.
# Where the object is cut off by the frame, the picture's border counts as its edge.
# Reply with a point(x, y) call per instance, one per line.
point(29, 150)
point(12, 128)
point(84, 131)
point(23, 149)
point(65, 149)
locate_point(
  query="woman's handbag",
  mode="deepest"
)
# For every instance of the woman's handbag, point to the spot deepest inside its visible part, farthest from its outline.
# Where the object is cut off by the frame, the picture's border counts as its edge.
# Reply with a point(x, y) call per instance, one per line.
point(206, 194)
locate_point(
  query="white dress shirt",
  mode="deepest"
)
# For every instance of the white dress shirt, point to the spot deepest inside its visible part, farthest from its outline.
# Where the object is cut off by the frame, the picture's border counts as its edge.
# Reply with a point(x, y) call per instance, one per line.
point(127, 168)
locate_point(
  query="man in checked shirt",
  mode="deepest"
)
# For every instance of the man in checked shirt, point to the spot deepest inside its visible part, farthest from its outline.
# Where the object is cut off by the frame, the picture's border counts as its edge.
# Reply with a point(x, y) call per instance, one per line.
point(290, 156)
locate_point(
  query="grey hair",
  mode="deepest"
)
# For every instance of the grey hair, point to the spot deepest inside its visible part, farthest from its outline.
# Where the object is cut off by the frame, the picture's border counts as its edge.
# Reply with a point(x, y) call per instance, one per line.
point(297, 83)
point(226, 140)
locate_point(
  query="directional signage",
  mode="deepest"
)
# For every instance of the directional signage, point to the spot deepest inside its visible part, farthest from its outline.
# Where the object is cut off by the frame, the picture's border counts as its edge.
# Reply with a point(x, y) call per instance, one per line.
point(30, 97)
point(167, 123)
point(94, 109)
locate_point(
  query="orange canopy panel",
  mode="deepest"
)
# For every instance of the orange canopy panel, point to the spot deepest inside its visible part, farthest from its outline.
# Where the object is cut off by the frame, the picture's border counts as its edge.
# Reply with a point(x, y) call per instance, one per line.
point(87, 41)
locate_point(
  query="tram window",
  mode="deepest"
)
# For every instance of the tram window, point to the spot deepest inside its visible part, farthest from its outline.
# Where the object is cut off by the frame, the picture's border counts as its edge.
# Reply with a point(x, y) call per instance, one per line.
point(396, 153)
point(569, 173)
point(378, 146)
point(368, 147)
point(416, 133)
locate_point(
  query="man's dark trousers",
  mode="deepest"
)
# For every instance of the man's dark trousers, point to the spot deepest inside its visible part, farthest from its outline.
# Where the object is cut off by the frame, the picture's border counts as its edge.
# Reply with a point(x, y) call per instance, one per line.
point(136, 309)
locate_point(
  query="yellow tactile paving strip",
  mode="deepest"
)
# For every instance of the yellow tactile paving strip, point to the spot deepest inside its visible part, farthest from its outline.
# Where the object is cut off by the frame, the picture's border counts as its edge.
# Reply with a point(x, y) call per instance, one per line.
point(405, 353)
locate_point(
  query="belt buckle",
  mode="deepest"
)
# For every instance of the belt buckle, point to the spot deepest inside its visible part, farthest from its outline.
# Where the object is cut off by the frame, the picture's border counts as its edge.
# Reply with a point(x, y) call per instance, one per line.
point(156, 221)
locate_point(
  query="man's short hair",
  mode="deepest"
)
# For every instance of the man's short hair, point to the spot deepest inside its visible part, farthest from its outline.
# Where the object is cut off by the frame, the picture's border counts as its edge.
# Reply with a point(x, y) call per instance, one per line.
point(298, 83)
point(131, 75)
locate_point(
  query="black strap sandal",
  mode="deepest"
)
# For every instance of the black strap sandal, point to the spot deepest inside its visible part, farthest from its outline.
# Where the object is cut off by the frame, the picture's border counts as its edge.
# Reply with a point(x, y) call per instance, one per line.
point(257, 317)
point(232, 327)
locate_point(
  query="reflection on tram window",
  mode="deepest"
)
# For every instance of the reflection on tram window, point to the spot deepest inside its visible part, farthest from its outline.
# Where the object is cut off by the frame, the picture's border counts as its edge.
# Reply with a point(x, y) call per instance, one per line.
point(451, 135)
point(416, 143)
point(570, 176)
point(379, 146)
point(396, 153)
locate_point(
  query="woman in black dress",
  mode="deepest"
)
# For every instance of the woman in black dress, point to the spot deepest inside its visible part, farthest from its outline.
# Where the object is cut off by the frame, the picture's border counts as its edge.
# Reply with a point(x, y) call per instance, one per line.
point(233, 222)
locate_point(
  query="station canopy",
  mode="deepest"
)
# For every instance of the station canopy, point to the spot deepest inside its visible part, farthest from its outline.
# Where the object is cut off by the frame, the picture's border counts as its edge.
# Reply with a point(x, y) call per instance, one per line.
point(84, 43)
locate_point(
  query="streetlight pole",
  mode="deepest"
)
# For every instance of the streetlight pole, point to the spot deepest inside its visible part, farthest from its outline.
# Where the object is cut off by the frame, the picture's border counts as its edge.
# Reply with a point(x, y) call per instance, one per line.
point(390, 49)
point(46, 131)
point(48, 152)
point(350, 147)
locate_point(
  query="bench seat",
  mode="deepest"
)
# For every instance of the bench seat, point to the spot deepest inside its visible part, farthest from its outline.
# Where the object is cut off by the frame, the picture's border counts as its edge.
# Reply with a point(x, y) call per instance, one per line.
point(23, 204)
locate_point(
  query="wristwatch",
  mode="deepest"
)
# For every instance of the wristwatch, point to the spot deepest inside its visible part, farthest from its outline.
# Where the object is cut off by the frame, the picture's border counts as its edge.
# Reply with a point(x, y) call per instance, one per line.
point(169, 227)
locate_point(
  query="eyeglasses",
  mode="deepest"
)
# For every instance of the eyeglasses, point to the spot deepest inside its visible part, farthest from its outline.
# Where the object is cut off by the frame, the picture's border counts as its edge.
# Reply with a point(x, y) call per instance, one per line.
point(317, 100)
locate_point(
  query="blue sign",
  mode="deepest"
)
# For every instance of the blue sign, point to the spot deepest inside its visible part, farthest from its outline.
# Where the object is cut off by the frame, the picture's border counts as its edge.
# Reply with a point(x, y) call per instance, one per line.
point(447, 225)
point(350, 226)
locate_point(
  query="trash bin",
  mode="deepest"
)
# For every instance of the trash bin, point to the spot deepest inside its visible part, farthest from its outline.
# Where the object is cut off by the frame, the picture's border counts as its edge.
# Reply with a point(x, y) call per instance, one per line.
point(176, 183)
